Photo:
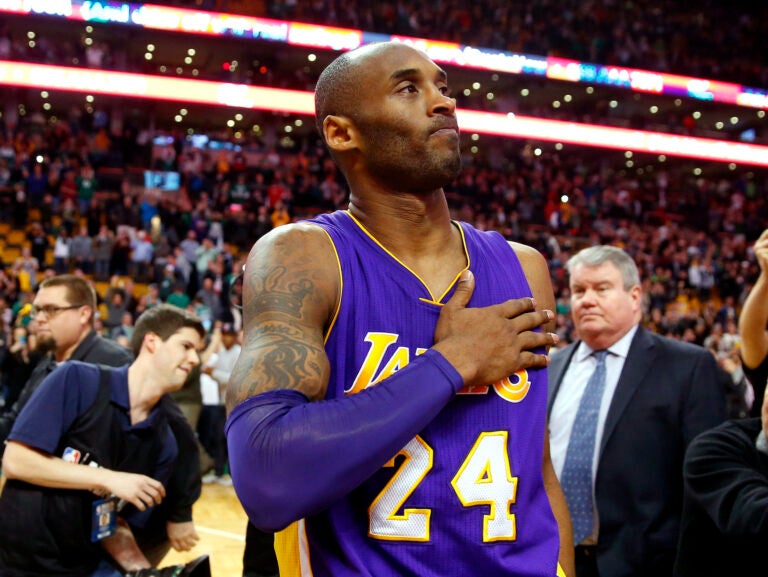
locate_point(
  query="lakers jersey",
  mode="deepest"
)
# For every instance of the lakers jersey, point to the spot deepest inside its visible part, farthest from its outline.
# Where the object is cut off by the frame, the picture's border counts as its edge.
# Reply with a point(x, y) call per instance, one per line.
point(465, 496)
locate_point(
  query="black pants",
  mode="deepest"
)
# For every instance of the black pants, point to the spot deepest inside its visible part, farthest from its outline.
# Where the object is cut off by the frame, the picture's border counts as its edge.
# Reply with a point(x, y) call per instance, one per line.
point(210, 430)
point(259, 558)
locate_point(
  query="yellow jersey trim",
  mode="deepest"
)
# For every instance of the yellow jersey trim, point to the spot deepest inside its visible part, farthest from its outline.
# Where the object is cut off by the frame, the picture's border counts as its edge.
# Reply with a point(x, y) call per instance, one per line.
point(431, 299)
point(341, 285)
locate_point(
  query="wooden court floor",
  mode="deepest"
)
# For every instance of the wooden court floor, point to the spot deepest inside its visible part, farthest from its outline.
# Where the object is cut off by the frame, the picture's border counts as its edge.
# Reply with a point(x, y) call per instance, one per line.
point(221, 523)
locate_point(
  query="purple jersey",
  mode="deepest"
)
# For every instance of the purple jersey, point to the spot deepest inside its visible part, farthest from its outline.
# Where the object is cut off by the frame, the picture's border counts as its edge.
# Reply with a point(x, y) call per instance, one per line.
point(466, 495)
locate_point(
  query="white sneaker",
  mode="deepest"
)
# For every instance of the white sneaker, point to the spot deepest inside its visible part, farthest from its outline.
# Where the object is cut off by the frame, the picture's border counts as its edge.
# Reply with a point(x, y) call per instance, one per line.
point(209, 478)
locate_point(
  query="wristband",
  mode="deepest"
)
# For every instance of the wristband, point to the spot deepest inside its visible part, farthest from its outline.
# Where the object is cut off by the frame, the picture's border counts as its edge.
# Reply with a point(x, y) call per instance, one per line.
point(280, 443)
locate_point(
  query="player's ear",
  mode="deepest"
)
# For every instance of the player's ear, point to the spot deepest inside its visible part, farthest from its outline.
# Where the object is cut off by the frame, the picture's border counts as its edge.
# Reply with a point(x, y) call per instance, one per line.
point(340, 133)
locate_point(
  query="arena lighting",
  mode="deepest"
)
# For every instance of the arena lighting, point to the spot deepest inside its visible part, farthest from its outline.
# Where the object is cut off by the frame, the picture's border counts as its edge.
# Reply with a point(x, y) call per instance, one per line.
point(616, 138)
point(145, 86)
point(149, 87)
point(155, 17)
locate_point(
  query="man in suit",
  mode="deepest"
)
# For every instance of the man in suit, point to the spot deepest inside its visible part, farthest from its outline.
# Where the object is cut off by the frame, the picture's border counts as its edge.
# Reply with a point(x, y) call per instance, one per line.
point(655, 394)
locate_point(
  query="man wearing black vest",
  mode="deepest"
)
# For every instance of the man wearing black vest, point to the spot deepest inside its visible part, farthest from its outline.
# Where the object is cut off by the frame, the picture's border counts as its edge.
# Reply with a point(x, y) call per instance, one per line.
point(64, 309)
point(88, 456)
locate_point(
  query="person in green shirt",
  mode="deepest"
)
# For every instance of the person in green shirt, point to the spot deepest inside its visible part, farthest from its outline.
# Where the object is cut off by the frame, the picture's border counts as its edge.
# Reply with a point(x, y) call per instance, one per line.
point(86, 187)
point(178, 297)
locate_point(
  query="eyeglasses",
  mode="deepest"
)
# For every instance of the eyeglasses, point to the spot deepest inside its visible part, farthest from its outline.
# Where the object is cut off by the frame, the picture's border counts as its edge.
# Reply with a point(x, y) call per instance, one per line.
point(50, 311)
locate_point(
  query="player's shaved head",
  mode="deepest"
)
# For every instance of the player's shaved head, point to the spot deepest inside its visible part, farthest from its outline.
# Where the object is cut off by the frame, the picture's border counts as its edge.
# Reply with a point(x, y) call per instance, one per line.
point(337, 92)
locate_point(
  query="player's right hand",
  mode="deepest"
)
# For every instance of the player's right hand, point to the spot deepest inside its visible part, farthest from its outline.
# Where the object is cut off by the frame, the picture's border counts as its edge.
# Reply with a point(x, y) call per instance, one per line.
point(489, 343)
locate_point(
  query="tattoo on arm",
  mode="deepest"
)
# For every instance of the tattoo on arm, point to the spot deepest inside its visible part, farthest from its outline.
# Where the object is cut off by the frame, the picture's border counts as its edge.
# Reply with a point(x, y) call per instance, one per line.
point(280, 350)
point(275, 294)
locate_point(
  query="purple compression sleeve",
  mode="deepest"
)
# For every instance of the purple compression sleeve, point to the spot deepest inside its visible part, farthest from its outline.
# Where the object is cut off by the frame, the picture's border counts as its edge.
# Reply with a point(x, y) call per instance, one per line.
point(290, 458)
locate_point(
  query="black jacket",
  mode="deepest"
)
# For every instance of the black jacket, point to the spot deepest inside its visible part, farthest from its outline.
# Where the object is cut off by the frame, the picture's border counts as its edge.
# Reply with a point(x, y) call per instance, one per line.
point(725, 510)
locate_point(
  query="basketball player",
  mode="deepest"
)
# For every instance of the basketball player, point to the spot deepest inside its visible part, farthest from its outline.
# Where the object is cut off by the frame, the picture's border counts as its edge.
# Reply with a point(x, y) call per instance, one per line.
point(387, 413)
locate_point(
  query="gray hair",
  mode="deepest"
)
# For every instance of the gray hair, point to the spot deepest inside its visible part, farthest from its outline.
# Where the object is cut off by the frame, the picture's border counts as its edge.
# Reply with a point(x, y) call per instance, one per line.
point(597, 255)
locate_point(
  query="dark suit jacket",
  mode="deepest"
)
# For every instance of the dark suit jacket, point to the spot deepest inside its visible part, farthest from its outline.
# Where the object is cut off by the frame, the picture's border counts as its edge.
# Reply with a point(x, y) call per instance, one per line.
point(668, 392)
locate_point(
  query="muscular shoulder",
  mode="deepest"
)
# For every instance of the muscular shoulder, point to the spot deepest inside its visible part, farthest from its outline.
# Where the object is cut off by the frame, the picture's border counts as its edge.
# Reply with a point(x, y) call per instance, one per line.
point(299, 258)
point(307, 234)
point(537, 273)
point(291, 289)
point(527, 254)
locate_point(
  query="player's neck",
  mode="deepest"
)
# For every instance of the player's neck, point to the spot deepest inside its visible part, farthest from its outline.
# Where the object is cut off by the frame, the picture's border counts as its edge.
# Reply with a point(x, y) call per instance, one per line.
point(419, 234)
point(405, 224)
